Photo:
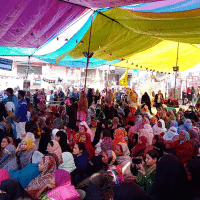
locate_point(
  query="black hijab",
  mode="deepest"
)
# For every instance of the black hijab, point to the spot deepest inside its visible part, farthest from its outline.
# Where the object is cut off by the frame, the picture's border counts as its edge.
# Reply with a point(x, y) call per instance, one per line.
point(44, 140)
point(63, 141)
point(170, 181)
point(106, 133)
point(14, 190)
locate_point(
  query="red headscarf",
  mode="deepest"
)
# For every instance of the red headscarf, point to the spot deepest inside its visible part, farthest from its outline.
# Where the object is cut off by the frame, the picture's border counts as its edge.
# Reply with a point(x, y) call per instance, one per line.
point(132, 118)
point(88, 145)
point(139, 146)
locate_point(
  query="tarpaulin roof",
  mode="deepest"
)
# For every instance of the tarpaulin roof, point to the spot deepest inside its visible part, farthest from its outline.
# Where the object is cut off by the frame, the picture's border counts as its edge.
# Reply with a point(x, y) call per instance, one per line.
point(162, 57)
point(106, 3)
point(32, 23)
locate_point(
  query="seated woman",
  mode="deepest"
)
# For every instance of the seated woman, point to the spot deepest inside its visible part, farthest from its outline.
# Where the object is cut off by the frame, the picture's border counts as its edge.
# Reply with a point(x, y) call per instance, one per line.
point(170, 136)
point(61, 137)
point(159, 127)
point(44, 140)
point(42, 182)
point(81, 155)
point(86, 139)
point(68, 162)
point(110, 164)
point(63, 187)
point(123, 158)
point(54, 148)
point(11, 189)
point(115, 125)
point(24, 152)
point(170, 180)
point(119, 135)
point(146, 175)
point(147, 131)
point(76, 138)
point(105, 142)
point(183, 147)
point(5, 142)
point(140, 146)
point(9, 160)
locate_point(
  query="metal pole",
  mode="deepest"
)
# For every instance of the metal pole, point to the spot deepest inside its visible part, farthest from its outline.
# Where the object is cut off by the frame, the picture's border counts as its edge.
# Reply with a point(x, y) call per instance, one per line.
point(88, 53)
point(28, 67)
point(176, 73)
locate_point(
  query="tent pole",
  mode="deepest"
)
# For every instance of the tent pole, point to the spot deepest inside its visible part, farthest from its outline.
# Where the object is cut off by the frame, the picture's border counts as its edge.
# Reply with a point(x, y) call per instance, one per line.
point(88, 53)
point(28, 67)
point(176, 73)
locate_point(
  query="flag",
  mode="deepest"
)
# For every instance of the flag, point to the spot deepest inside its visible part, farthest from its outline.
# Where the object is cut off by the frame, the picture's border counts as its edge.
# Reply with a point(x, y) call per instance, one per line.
point(124, 79)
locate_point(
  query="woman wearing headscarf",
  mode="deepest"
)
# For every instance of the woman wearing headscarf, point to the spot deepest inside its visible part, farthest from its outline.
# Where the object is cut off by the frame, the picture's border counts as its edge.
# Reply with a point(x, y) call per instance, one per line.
point(170, 135)
point(68, 162)
point(174, 123)
point(9, 160)
point(110, 164)
point(38, 185)
point(153, 121)
point(140, 146)
point(105, 143)
point(147, 131)
point(123, 158)
point(193, 172)
point(188, 124)
point(61, 137)
point(88, 130)
point(44, 140)
point(64, 189)
point(82, 107)
point(24, 152)
point(5, 142)
point(135, 129)
point(183, 147)
point(159, 127)
point(3, 175)
point(170, 180)
point(146, 99)
point(131, 116)
point(11, 189)
point(53, 147)
point(194, 137)
point(119, 135)
point(86, 139)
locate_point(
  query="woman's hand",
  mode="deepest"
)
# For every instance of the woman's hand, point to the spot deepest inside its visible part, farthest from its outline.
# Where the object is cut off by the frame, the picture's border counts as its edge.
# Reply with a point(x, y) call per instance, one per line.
point(142, 170)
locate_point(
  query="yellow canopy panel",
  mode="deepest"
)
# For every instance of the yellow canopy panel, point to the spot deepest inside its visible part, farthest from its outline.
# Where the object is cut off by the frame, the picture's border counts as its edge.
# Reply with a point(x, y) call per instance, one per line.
point(112, 41)
point(176, 26)
point(162, 57)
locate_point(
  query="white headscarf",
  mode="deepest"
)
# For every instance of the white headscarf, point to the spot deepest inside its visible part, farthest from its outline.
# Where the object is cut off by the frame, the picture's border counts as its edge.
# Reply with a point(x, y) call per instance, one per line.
point(147, 131)
point(54, 131)
point(169, 135)
point(68, 162)
point(158, 130)
point(37, 157)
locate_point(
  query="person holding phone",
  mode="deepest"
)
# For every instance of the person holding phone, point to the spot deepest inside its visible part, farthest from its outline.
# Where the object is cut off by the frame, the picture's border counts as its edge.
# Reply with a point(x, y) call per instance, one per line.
point(147, 170)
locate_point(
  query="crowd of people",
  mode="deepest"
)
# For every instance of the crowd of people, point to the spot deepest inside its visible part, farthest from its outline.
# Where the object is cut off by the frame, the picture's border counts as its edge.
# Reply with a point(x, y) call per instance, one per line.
point(97, 146)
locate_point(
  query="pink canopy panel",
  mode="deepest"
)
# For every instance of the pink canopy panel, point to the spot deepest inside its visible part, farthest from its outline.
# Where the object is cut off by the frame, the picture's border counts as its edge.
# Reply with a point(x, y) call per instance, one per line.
point(32, 23)
point(108, 3)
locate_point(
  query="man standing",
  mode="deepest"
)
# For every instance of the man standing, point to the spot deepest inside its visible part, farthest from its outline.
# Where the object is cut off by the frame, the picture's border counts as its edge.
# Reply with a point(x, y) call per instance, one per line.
point(20, 116)
point(61, 95)
point(158, 99)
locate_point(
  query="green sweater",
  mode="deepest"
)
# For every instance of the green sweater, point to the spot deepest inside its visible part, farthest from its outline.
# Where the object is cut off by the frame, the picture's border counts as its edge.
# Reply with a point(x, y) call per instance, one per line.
point(146, 180)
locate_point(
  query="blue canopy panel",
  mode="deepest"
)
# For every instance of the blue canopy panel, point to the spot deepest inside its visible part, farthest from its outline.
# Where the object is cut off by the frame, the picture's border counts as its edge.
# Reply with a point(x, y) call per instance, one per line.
point(79, 63)
point(17, 51)
point(165, 6)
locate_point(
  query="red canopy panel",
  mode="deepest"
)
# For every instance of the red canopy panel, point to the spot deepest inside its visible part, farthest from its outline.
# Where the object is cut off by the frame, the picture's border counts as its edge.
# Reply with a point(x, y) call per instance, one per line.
point(32, 23)
point(108, 3)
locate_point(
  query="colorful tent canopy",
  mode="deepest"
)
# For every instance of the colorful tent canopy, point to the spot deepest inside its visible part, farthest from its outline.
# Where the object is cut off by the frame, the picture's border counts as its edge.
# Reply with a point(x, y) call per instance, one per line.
point(112, 41)
point(165, 6)
point(32, 23)
point(162, 57)
point(106, 3)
